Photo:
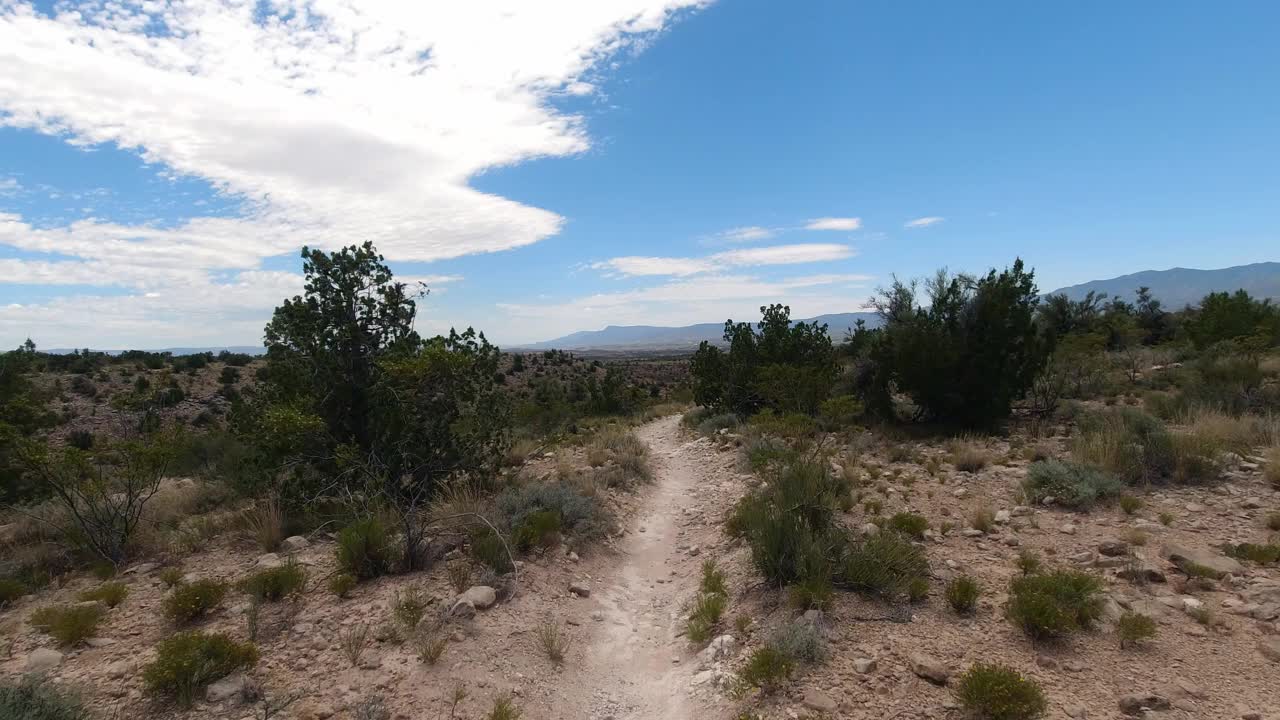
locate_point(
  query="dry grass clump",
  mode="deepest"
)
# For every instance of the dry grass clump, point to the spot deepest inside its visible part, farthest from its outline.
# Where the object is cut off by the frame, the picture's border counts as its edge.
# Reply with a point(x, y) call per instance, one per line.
point(69, 625)
point(110, 594)
point(1272, 470)
point(627, 452)
point(968, 454)
point(1235, 433)
point(187, 603)
point(1134, 628)
point(962, 594)
point(553, 640)
point(264, 523)
point(353, 641)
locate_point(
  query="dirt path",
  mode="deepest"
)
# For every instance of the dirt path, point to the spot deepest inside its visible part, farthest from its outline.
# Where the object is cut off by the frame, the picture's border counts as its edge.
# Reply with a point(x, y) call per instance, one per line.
point(638, 667)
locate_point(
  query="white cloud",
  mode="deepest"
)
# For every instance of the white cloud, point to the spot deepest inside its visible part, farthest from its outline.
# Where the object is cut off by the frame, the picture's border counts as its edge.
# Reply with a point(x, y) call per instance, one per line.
point(333, 120)
point(746, 234)
point(923, 222)
point(747, 257)
point(834, 223)
point(9, 187)
point(688, 301)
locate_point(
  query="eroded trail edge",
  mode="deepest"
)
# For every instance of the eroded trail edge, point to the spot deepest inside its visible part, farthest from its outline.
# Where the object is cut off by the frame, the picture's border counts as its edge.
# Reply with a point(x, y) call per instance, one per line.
point(638, 666)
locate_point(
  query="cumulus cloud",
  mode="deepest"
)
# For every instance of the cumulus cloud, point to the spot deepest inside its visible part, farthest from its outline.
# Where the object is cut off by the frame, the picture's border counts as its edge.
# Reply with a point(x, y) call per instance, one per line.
point(923, 222)
point(834, 223)
point(332, 120)
point(748, 257)
point(9, 187)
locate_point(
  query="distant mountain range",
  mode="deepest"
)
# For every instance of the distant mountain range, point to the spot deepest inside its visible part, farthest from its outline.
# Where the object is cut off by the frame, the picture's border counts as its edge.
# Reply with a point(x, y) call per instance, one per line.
point(245, 349)
point(1175, 288)
point(651, 337)
point(1179, 287)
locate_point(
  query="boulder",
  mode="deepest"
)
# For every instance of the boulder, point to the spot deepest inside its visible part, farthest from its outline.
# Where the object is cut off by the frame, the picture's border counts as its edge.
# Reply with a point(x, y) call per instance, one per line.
point(235, 687)
point(42, 659)
point(463, 608)
point(864, 665)
point(294, 543)
point(819, 701)
point(482, 597)
point(268, 561)
point(1137, 703)
point(929, 668)
point(580, 589)
point(1113, 548)
point(1217, 563)
point(1270, 648)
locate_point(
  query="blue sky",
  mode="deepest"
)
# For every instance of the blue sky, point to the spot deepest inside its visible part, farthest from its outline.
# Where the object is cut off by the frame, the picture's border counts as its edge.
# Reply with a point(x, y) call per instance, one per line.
point(571, 165)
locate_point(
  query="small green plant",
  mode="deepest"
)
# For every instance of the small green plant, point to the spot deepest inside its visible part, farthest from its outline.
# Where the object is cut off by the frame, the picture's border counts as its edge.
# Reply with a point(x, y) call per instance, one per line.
point(1166, 519)
point(1253, 552)
point(1202, 615)
point(713, 581)
point(884, 565)
point(190, 602)
point(1072, 485)
point(812, 593)
point(365, 549)
point(704, 616)
point(553, 640)
point(917, 590)
point(273, 584)
point(171, 576)
point(1052, 605)
point(69, 625)
point(1130, 504)
point(110, 594)
point(800, 641)
point(873, 507)
point(909, 524)
point(742, 623)
point(430, 645)
point(504, 709)
point(187, 662)
point(962, 594)
point(489, 549)
point(34, 698)
point(1133, 628)
point(996, 692)
point(342, 584)
point(767, 668)
point(538, 529)
point(410, 607)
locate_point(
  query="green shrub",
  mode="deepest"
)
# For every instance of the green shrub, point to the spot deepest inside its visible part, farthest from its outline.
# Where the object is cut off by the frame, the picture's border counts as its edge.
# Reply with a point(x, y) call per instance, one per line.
point(812, 593)
point(539, 529)
point(188, 662)
point(503, 709)
point(995, 692)
point(705, 616)
point(1052, 605)
point(785, 425)
point(11, 590)
point(275, 583)
point(1133, 628)
point(1272, 523)
point(110, 594)
point(33, 698)
point(1138, 449)
point(365, 549)
point(962, 594)
point(983, 520)
point(578, 515)
point(68, 624)
point(885, 565)
point(763, 451)
point(1070, 484)
point(713, 581)
point(187, 603)
point(488, 549)
point(909, 524)
point(1253, 552)
point(1028, 561)
point(170, 576)
point(767, 668)
point(1130, 504)
point(342, 584)
point(839, 412)
point(917, 590)
point(968, 456)
point(410, 607)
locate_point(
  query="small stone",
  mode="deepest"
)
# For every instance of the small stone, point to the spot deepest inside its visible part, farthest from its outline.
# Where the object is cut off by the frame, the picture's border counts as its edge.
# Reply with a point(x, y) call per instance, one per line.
point(928, 668)
point(1068, 529)
point(1003, 517)
point(580, 589)
point(870, 529)
point(1270, 648)
point(463, 608)
point(1046, 662)
point(573, 557)
point(294, 543)
point(235, 687)
point(819, 701)
point(1251, 503)
point(864, 665)
point(1113, 548)
point(42, 659)
point(268, 561)
point(1079, 712)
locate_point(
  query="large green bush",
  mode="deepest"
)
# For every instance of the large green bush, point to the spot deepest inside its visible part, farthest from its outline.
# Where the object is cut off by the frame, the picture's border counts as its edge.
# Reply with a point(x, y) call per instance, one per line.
point(273, 584)
point(1070, 484)
point(989, 691)
point(964, 357)
point(883, 565)
point(188, 662)
point(1053, 605)
point(68, 624)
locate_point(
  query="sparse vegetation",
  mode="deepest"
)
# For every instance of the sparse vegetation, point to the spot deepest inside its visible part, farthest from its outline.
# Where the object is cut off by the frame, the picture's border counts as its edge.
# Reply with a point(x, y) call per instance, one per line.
point(365, 550)
point(989, 691)
point(1072, 485)
point(170, 576)
point(767, 668)
point(34, 698)
point(353, 639)
point(342, 584)
point(110, 594)
point(504, 709)
point(909, 524)
point(187, 662)
point(553, 640)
